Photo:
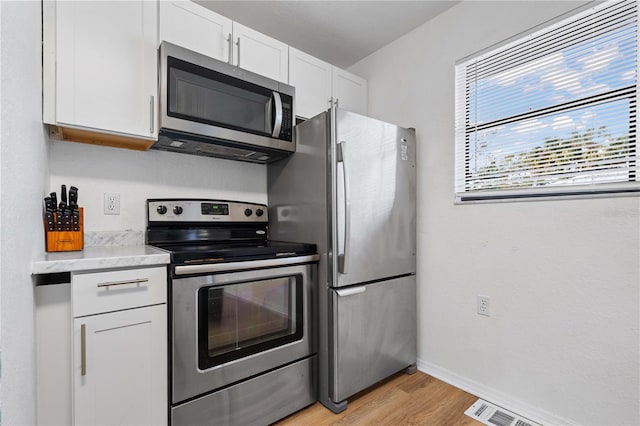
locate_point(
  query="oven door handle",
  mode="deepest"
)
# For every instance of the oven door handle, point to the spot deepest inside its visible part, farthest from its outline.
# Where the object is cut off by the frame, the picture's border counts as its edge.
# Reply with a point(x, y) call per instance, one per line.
point(237, 266)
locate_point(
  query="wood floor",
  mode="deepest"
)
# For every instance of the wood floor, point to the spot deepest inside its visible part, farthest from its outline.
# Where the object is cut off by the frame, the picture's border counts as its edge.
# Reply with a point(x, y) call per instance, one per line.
point(417, 399)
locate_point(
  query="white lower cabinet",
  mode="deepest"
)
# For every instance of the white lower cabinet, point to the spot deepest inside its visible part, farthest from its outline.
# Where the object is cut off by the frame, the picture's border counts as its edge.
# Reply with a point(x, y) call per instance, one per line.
point(120, 347)
point(120, 368)
point(101, 349)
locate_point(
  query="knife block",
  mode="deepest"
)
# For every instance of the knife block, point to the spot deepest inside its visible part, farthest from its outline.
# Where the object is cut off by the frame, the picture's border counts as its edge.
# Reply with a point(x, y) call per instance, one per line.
point(65, 240)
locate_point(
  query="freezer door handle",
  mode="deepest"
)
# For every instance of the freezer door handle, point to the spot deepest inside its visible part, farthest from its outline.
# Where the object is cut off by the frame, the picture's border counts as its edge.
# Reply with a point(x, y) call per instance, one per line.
point(351, 291)
point(343, 259)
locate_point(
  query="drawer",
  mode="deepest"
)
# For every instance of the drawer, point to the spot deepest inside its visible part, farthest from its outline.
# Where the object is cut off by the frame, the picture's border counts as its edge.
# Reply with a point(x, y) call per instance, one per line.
point(98, 292)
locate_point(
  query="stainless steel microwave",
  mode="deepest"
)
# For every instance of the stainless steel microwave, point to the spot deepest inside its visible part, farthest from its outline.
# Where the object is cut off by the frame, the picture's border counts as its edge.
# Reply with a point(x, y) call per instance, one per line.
point(211, 108)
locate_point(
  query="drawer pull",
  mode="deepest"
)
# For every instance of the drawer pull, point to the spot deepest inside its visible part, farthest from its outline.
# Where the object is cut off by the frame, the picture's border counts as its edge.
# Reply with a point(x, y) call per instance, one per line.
point(115, 283)
point(83, 350)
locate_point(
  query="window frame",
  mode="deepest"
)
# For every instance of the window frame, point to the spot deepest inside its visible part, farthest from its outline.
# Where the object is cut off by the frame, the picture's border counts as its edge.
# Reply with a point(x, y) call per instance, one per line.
point(532, 193)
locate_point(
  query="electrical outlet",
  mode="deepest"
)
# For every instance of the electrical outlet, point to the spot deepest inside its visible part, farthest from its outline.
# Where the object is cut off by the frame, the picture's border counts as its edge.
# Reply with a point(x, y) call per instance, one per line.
point(111, 203)
point(484, 305)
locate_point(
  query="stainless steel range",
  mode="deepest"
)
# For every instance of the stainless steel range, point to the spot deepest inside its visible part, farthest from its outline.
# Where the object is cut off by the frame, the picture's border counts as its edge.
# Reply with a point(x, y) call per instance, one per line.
point(242, 342)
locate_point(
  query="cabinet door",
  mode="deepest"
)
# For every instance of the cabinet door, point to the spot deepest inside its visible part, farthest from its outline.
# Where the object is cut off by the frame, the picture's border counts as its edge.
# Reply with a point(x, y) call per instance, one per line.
point(195, 27)
point(124, 381)
point(106, 66)
point(350, 91)
point(312, 79)
point(261, 54)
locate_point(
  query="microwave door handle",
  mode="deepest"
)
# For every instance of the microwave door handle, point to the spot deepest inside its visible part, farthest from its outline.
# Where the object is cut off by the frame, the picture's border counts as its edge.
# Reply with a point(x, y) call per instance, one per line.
point(277, 124)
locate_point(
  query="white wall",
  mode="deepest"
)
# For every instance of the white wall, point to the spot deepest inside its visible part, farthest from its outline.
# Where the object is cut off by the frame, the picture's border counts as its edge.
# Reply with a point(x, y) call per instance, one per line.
point(562, 343)
point(23, 171)
point(152, 174)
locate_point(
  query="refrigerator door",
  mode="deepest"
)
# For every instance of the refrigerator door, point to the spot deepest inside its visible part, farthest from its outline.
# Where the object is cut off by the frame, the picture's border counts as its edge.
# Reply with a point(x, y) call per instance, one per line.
point(375, 203)
point(374, 330)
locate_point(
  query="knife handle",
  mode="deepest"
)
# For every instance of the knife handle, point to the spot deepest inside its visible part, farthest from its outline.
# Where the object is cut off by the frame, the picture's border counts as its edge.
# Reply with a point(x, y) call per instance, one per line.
point(76, 220)
point(49, 215)
point(59, 220)
point(54, 200)
point(67, 220)
point(63, 193)
point(73, 197)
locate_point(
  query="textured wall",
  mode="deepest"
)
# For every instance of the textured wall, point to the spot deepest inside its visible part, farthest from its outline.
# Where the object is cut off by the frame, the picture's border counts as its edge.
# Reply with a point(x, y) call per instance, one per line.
point(141, 175)
point(562, 343)
point(23, 171)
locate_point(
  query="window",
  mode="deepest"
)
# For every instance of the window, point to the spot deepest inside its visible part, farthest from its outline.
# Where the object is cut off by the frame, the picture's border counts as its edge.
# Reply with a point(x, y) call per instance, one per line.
point(552, 113)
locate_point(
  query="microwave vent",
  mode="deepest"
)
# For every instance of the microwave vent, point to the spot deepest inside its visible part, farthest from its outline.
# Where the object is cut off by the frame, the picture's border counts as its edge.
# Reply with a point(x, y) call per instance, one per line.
point(217, 149)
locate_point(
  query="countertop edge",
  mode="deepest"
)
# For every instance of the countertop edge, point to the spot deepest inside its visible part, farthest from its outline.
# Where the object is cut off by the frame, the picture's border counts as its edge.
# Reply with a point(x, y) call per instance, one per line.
point(99, 258)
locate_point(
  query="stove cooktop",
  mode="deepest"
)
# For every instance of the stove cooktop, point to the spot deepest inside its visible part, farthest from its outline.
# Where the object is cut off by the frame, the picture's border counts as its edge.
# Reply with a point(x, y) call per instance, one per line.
point(197, 231)
point(232, 252)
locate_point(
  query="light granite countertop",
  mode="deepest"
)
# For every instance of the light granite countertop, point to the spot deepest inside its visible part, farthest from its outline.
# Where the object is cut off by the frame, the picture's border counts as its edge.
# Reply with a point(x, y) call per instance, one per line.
point(99, 258)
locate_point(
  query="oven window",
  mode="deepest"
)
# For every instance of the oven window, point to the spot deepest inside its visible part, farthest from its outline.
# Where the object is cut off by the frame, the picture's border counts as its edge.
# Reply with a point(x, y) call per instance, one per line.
point(242, 319)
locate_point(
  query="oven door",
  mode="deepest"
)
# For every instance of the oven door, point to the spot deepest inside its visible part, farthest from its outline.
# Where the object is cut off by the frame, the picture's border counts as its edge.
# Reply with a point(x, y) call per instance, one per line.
point(231, 326)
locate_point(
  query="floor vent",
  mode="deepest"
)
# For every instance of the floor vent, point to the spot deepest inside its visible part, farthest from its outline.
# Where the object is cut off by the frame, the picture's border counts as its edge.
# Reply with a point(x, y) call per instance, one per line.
point(492, 415)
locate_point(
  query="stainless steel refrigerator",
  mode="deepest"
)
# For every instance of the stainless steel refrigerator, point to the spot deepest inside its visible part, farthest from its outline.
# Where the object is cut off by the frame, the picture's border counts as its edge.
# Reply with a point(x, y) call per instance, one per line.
point(350, 188)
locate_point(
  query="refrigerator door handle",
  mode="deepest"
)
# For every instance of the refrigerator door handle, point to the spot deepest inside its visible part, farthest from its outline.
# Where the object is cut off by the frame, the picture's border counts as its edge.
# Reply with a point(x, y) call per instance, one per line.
point(351, 291)
point(343, 259)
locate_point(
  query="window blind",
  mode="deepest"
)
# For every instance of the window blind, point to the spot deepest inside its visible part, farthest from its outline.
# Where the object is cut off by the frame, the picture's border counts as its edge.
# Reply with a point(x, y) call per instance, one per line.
point(553, 112)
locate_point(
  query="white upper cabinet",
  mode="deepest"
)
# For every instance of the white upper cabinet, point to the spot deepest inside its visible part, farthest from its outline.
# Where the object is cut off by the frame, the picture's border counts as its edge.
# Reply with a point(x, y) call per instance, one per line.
point(100, 76)
point(350, 91)
point(312, 79)
point(316, 82)
point(197, 28)
point(259, 53)
point(104, 72)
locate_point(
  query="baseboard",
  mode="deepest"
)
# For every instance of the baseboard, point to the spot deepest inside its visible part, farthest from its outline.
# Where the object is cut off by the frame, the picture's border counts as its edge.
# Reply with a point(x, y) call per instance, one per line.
point(489, 394)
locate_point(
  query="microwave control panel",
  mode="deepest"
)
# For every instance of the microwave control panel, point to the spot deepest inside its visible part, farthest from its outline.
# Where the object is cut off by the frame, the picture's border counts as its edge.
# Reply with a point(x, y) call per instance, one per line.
point(286, 130)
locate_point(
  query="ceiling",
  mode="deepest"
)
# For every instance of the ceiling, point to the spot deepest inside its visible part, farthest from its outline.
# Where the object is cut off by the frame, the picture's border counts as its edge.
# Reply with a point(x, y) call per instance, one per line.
point(338, 32)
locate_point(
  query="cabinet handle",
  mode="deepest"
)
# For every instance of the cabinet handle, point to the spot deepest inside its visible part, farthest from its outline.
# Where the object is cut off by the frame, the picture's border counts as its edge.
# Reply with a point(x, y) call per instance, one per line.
point(230, 44)
point(238, 44)
point(114, 283)
point(83, 350)
point(152, 115)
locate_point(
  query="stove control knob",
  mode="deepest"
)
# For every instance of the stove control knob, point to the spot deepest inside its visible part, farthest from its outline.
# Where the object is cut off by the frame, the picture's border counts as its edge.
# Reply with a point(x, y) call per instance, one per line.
point(177, 210)
point(248, 212)
point(259, 212)
point(161, 209)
